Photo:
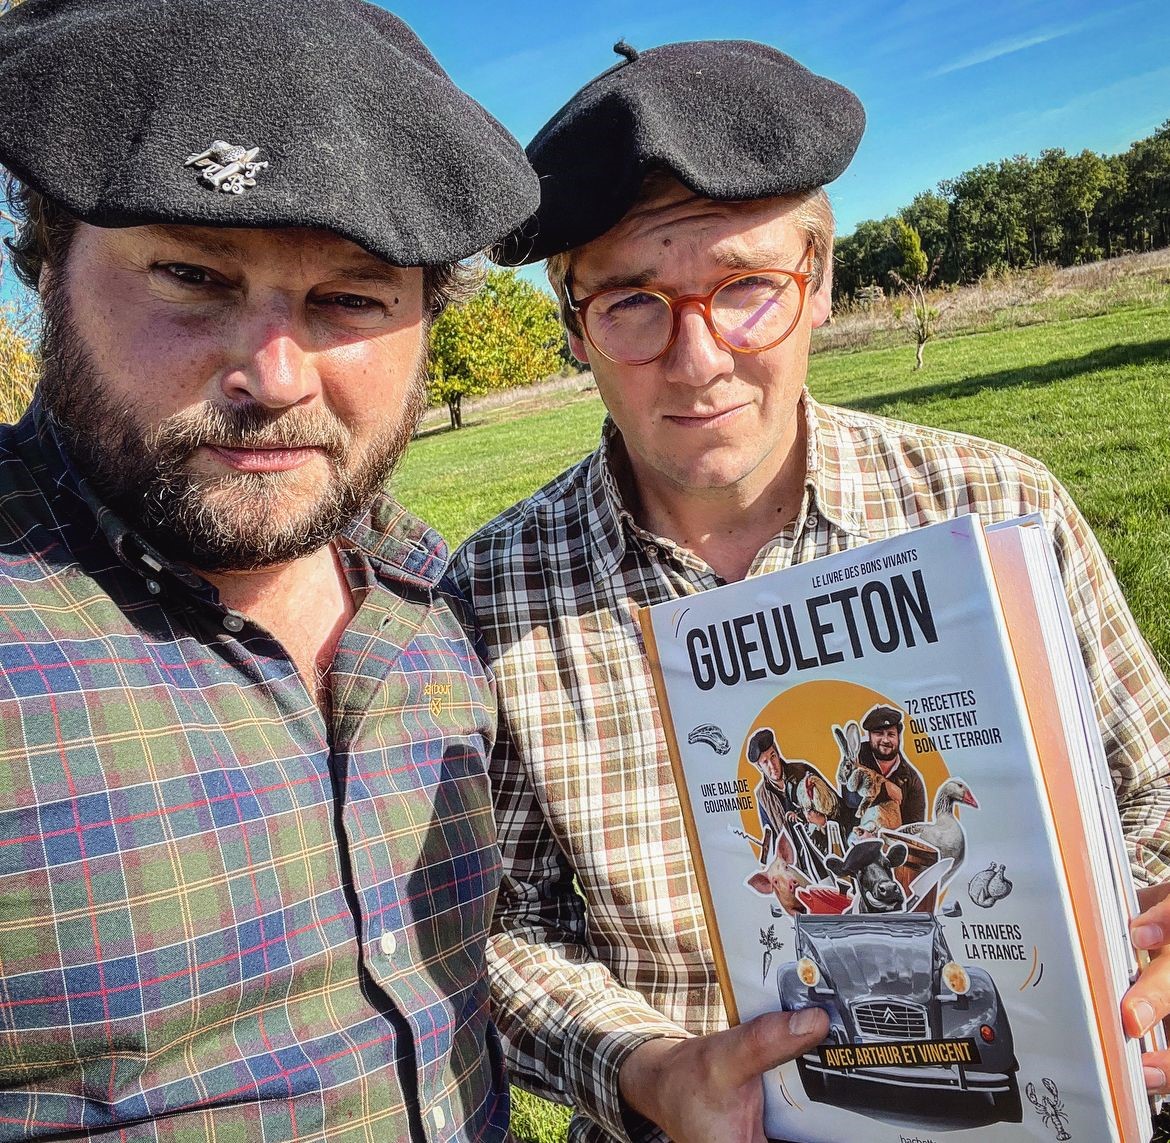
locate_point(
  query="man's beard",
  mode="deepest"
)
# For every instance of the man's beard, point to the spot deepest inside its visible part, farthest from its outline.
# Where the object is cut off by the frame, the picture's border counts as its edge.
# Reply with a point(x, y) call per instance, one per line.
point(229, 522)
point(885, 753)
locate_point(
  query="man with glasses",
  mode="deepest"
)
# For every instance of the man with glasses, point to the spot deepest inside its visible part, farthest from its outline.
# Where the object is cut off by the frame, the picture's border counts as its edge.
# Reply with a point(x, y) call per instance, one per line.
point(689, 241)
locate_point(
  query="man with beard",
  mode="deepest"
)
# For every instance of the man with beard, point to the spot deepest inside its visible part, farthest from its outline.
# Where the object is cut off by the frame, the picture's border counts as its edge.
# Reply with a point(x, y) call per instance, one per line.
point(883, 753)
point(248, 857)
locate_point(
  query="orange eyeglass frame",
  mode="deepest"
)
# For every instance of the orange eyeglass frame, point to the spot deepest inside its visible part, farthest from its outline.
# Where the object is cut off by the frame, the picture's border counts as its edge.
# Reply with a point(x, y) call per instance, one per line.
point(703, 301)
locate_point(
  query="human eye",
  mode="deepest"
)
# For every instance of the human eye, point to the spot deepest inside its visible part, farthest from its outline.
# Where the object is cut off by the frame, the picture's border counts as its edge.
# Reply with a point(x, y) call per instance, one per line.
point(755, 284)
point(354, 302)
point(618, 303)
point(353, 309)
point(185, 274)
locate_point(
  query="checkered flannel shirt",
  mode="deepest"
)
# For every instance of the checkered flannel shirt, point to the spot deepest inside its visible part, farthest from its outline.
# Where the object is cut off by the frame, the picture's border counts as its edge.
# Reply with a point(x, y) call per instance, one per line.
point(220, 918)
point(581, 778)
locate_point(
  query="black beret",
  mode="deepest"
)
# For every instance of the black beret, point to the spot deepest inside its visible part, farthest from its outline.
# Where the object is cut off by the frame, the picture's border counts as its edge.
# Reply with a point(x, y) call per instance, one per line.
point(759, 742)
point(730, 119)
point(315, 113)
point(882, 717)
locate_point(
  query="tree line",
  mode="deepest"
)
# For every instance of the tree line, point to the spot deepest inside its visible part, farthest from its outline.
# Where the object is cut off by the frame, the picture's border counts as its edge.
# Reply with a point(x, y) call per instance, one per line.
point(1019, 212)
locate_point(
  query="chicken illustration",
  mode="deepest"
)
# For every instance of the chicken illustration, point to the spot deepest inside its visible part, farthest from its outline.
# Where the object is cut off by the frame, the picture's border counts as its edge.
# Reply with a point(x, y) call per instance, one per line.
point(944, 831)
point(817, 799)
point(989, 885)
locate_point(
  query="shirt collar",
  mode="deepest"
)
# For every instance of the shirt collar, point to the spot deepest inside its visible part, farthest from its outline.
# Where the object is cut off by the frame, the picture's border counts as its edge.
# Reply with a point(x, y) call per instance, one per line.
point(832, 480)
point(606, 513)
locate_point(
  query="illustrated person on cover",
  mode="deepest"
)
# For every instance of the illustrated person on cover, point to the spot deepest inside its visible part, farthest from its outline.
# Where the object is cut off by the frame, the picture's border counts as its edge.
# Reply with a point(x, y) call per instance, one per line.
point(793, 797)
point(903, 787)
point(248, 861)
point(689, 241)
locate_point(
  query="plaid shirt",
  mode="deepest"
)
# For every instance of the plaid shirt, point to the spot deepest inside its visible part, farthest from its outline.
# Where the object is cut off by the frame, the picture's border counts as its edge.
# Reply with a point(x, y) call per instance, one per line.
point(582, 782)
point(221, 918)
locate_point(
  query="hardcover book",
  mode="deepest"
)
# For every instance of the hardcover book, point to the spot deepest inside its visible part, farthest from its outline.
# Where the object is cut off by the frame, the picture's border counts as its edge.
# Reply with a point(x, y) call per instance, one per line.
point(900, 812)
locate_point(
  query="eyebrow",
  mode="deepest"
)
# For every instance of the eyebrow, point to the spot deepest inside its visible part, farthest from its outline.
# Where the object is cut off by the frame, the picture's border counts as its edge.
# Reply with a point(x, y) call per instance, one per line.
point(759, 260)
point(727, 259)
point(384, 273)
point(361, 269)
point(614, 281)
point(188, 236)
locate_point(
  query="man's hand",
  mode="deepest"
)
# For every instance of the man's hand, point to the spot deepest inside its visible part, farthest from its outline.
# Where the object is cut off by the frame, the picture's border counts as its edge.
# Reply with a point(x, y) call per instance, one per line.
point(1148, 1001)
point(707, 1089)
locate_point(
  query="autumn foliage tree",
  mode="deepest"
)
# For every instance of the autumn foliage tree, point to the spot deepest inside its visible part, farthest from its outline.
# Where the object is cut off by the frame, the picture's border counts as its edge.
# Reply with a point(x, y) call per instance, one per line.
point(18, 366)
point(508, 334)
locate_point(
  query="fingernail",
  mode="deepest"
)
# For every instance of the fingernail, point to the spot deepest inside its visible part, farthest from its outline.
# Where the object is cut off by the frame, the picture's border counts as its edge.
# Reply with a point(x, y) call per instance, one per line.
point(1146, 936)
point(803, 1021)
point(1143, 1013)
point(1155, 1078)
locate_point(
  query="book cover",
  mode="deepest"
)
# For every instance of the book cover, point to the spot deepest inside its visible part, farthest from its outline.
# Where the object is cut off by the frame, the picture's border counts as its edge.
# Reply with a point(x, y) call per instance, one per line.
point(860, 771)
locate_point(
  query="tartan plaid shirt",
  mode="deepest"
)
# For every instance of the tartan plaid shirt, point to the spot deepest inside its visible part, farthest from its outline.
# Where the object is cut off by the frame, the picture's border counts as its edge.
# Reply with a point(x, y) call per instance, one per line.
point(581, 777)
point(221, 918)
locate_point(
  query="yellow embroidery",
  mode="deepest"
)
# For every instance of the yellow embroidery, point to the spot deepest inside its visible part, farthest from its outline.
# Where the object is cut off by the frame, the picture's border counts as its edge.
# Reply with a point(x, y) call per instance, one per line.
point(436, 692)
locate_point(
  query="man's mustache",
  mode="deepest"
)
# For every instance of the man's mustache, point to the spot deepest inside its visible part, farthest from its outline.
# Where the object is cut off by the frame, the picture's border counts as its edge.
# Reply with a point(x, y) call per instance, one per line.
point(249, 426)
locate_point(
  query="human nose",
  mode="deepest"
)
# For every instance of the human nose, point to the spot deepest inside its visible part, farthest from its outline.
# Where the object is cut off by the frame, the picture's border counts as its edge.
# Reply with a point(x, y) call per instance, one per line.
point(274, 366)
point(696, 357)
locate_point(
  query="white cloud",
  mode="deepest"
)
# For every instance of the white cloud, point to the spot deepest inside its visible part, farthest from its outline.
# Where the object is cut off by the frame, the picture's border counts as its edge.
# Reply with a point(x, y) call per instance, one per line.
point(1004, 48)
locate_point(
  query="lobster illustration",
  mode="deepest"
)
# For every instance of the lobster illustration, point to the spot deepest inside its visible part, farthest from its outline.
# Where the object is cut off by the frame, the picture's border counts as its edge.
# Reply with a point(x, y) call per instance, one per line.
point(1050, 1108)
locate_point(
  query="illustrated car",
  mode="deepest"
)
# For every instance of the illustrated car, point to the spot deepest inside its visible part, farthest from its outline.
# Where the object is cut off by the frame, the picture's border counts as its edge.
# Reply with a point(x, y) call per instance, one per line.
point(893, 992)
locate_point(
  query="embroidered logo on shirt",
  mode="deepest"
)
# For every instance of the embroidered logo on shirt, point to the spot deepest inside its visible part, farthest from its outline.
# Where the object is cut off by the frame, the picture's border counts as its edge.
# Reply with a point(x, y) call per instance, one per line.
point(436, 692)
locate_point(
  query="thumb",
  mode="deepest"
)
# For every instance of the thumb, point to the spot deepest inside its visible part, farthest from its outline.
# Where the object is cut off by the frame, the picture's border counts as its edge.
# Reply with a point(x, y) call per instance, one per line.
point(769, 1041)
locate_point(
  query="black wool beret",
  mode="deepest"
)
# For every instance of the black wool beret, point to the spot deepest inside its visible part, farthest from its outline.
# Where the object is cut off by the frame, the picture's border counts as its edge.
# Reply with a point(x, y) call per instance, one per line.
point(759, 742)
point(314, 113)
point(882, 717)
point(730, 119)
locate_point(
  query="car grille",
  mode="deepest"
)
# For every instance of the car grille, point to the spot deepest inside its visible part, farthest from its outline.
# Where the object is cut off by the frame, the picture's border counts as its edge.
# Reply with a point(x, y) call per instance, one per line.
point(890, 1020)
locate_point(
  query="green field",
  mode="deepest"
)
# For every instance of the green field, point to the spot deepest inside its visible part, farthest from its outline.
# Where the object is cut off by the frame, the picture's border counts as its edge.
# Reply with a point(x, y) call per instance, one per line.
point(1090, 397)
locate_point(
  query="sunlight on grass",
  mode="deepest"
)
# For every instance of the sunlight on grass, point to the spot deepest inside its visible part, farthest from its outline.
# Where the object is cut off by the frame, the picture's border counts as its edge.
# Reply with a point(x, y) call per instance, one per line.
point(1086, 396)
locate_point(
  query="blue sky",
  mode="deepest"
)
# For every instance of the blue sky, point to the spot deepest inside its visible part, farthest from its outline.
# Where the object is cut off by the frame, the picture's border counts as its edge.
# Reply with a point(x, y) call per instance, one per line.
point(947, 84)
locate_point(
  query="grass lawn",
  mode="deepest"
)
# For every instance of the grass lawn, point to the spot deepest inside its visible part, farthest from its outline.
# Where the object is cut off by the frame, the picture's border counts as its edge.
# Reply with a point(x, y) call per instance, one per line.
point(1088, 396)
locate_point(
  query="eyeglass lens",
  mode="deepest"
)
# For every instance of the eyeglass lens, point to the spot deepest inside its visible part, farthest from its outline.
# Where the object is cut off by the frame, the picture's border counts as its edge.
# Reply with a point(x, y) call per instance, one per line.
point(751, 312)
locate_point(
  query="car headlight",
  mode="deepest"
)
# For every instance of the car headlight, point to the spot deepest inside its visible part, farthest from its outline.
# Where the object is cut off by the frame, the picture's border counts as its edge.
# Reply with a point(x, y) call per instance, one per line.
point(807, 971)
point(955, 978)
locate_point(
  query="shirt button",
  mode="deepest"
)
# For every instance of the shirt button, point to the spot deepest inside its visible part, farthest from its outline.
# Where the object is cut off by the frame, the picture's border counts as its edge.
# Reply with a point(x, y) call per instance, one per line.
point(813, 519)
point(439, 1116)
point(233, 622)
point(389, 943)
point(651, 552)
point(153, 586)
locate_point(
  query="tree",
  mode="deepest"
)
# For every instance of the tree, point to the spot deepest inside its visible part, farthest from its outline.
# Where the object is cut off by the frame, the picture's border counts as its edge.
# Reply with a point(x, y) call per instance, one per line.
point(929, 213)
point(865, 257)
point(913, 277)
point(1085, 178)
point(18, 367)
point(508, 334)
point(1148, 177)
